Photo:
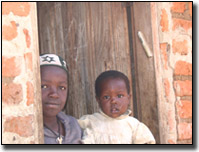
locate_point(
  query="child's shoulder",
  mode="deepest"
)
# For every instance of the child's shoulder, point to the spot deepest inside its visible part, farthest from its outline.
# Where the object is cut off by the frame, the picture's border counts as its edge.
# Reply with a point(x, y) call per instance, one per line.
point(138, 124)
point(87, 120)
point(132, 120)
point(90, 116)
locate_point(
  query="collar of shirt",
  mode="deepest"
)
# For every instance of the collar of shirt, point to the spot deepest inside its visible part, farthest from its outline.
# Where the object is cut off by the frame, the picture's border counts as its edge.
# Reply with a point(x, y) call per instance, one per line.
point(123, 116)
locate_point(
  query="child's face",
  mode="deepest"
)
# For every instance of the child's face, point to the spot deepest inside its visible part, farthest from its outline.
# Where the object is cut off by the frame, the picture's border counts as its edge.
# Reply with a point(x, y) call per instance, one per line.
point(54, 88)
point(114, 98)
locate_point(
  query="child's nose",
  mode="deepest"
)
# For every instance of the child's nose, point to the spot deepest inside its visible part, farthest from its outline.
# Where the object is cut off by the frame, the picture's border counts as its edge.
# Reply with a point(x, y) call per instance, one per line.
point(53, 92)
point(113, 100)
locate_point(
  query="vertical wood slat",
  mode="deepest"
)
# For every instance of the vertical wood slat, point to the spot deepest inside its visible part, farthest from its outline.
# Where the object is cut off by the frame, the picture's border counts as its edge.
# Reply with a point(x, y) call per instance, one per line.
point(132, 58)
point(92, 37)
point(145, 71)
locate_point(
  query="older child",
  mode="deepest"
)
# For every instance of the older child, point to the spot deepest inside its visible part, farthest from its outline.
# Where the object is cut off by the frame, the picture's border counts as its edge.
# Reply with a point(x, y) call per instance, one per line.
point(59, 128)
point(113, 125)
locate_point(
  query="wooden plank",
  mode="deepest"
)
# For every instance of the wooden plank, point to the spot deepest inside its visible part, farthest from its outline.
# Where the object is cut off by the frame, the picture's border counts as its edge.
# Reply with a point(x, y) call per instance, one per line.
point(145, 72)
point(75, 46)
point(38, 122)
point(92, 37)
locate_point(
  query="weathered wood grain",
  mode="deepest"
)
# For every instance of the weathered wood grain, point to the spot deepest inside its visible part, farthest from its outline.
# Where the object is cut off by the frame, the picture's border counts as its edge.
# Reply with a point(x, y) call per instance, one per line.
point(92, 37)
point(144, 67)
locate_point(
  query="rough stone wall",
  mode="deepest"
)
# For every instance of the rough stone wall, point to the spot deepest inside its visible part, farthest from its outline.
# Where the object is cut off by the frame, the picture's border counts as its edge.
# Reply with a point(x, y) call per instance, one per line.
point(174, 70)
point(21, 103)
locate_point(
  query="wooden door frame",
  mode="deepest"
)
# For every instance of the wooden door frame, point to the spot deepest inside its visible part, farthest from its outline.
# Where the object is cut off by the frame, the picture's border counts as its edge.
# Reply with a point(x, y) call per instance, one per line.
point(144, 107)
point(135, 48)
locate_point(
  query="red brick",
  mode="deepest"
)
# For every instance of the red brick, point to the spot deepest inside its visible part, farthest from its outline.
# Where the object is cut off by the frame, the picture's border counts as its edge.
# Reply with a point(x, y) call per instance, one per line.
point(190, 8)
point(28, 60)
point(20, 125)
point(180, 47)
point(183, 88)
point(171, 141)
point(9, 67)
point(30, 93)
point(12, 93)
point(183, 68)
point(18, 8)
point(184, 131)
point(164, 22)
point(9, 32)
point(184, 108)
point(186, 25)
point(163, 47)
point(25, 31)
point(178, 7)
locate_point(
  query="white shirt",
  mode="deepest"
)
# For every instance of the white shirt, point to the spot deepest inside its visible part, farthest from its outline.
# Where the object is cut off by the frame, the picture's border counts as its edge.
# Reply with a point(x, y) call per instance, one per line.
point(99, 128)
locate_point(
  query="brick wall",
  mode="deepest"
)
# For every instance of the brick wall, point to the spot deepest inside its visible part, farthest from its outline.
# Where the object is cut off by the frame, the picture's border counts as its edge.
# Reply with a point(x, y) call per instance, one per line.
point(174, 38)
point(21, 104)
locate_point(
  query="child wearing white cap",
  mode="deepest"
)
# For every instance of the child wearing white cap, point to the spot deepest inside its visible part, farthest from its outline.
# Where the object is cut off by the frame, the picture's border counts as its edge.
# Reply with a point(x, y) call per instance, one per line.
point(59, 128)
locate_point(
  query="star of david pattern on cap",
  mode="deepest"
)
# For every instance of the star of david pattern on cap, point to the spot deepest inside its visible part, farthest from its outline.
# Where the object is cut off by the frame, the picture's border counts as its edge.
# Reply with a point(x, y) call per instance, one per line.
point(53, 60)
point(48, 59)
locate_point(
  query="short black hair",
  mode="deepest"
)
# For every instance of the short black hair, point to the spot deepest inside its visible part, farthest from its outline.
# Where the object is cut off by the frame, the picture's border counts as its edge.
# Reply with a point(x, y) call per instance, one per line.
point(110, 74)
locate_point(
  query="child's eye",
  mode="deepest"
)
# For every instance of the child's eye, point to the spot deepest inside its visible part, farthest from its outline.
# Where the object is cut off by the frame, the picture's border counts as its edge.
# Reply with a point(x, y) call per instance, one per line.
point(120, 95)
point(44, 86)
point(62, 88)
point(106, 97)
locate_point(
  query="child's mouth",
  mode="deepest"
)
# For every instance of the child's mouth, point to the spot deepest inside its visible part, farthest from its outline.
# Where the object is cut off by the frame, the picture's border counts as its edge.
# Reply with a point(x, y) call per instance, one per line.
point(114, 110)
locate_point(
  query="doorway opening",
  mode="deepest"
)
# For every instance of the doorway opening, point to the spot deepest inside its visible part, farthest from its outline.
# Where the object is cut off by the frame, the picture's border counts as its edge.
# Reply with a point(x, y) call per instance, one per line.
point(97, 36)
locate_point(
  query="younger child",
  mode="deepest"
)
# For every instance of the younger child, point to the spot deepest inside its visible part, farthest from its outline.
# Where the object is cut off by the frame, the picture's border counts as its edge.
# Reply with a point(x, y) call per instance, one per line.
point(113, 125)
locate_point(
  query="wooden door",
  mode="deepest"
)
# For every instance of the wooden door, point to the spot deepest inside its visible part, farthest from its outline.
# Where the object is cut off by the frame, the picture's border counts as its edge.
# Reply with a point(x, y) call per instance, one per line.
point(92, 37)
point(144, 70)
point(97, 36)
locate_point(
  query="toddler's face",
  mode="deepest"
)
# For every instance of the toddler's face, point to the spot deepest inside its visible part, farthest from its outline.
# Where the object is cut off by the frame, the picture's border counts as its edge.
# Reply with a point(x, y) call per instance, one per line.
point(114, 98)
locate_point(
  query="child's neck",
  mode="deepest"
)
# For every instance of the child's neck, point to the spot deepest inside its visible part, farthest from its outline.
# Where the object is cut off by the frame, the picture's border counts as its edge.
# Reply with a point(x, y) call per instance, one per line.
point(50, 122)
